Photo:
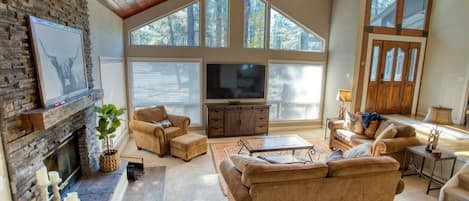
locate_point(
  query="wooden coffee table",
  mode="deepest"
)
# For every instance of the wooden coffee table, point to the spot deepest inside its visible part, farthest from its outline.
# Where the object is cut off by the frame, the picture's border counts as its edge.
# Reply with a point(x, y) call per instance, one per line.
point(276, 143)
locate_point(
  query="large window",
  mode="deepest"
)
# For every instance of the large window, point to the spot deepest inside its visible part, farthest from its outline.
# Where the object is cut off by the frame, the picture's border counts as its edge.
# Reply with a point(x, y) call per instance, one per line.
point(294, 91)
point(254, 23)
point(180, 28)
point(383, 13)
point(216, 23)
point(415, 13)
point(174, 84)
point(288, 35)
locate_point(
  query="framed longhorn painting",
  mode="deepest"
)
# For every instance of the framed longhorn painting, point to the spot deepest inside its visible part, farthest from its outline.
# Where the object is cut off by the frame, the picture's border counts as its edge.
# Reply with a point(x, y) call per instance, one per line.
point(59, 56)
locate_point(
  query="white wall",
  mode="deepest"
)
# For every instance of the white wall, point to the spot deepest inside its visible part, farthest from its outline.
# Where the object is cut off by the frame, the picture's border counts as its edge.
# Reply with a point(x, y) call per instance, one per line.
point(343, 48)
point(106, 35)
point(446, 70)
point(107, 41)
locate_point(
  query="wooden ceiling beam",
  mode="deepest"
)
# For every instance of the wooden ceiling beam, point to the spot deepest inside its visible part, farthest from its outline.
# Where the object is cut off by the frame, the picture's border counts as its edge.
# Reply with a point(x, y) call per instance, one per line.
point(127, 8)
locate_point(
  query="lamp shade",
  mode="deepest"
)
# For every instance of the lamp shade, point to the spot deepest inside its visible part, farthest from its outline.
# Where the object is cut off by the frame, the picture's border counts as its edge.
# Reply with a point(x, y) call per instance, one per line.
point(439, 115)
point(344, 95)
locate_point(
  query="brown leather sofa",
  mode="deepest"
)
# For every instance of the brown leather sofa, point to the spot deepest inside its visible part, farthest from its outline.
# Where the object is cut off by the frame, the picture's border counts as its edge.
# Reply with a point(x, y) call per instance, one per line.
point(364, 179)
point(345, 139)
point(153, 137)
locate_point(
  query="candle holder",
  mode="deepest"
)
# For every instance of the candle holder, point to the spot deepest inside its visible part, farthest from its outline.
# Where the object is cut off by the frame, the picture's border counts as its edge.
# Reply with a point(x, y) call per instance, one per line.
point(55, 180)
point(44, 192)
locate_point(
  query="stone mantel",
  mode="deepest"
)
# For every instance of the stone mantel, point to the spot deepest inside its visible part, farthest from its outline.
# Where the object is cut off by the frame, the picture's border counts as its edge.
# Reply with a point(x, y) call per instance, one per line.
point(43, 119)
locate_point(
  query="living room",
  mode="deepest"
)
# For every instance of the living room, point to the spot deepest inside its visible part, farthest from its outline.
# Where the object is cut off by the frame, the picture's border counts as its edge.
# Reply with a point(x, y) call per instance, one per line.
point(234, 100)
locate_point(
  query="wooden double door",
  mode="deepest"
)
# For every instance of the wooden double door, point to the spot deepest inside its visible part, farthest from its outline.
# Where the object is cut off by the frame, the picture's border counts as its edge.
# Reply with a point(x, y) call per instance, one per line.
point(392, 77)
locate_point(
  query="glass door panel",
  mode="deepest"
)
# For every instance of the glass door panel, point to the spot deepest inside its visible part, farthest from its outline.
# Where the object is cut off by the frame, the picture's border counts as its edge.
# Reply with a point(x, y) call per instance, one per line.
point(388, 65)
point(399, 65)
point(374, 64)
point(413, 63)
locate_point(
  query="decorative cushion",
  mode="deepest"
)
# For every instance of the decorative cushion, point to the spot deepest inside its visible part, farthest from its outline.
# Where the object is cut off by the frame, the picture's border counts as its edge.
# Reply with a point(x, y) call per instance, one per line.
point(240, 161)
point(336, 155)
point(370, 132)
point(163, 123)
point(151, 114)
point(383, 125)
point(363, 150)
point(388, 132)
point(353, 122)
point(464, 180)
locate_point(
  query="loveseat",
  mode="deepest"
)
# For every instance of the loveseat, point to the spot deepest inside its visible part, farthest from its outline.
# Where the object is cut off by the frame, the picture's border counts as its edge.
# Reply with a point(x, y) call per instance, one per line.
point(344, 139)
point(153, 137)
point(364, 179)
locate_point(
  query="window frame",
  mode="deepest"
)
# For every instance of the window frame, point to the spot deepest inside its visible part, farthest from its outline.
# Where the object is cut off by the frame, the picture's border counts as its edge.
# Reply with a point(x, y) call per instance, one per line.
point(305, 122)
point(398, 29)
point(146, 59)
point(201, 43)
point(323, 47)
point(266, 26)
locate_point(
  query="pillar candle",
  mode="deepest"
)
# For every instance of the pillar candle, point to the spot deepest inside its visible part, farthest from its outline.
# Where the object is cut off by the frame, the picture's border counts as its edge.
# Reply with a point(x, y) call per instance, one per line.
point(54, 177)
point(42, 177)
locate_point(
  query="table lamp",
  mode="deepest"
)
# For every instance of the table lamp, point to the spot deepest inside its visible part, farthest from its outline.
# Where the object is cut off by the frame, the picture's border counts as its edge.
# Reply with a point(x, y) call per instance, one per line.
point(437, 116)
point(343, 95)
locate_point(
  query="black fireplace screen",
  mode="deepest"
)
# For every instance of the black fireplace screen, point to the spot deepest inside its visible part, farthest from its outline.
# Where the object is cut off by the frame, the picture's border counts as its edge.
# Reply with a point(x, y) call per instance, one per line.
point(65, 159)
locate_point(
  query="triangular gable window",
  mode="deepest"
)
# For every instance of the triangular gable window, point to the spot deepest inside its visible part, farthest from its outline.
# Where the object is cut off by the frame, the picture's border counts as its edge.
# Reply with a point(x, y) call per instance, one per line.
point(285, 34)
point(180, 28)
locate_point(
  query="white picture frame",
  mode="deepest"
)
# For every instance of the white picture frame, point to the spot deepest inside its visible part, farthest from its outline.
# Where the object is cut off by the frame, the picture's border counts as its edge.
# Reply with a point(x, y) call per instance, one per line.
point(60, 61)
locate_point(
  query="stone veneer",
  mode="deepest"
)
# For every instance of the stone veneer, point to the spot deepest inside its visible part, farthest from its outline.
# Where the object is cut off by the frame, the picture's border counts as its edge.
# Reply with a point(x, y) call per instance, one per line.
point(19, 90)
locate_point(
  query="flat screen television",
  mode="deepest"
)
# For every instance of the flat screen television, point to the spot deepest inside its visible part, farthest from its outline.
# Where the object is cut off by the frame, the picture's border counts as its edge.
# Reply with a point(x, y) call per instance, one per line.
point(235, 81)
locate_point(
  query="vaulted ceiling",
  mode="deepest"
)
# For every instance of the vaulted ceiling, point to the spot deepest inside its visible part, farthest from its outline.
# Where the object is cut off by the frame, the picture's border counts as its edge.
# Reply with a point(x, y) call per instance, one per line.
point(127, 8)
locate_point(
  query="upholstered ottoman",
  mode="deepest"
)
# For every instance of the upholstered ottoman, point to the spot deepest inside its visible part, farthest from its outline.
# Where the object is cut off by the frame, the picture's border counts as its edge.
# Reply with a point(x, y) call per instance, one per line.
point(188, 146)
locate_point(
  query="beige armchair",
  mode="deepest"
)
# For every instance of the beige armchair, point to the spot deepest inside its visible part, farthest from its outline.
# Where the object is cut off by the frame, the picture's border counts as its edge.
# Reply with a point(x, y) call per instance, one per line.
point(153, 137)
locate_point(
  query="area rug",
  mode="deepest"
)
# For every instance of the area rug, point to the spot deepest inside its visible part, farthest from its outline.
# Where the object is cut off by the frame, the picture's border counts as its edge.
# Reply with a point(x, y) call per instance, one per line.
point(150, 186)
point(223, 151)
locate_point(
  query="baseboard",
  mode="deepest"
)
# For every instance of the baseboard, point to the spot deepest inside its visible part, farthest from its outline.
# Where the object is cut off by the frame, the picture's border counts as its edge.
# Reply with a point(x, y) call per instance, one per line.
point(120, 146)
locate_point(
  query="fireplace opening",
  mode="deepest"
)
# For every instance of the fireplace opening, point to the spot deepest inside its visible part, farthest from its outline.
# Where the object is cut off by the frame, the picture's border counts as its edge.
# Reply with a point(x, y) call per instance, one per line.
point(65, 160)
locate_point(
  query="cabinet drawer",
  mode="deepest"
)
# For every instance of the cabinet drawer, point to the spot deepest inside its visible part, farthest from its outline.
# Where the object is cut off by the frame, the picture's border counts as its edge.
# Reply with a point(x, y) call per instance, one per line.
point(215, 123)
point(215, 114)
point(262, 112)
point(261, 129)
point(261, 121)
point(215, 131)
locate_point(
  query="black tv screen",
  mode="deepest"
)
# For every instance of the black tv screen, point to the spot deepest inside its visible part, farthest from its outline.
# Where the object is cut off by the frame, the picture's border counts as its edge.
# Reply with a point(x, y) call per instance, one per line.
point(235, 81)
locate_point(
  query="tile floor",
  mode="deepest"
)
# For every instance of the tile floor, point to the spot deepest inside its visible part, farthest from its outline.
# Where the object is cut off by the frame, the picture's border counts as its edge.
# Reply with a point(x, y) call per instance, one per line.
point(198, 181)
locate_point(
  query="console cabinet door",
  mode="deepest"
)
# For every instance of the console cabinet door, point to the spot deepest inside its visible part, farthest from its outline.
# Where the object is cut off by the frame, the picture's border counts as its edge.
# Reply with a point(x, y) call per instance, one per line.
point(248, 121)
point(232, 122)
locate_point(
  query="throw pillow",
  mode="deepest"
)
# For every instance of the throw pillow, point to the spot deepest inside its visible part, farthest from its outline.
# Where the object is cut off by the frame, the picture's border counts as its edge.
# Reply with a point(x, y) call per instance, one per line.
point(165, 123)
point(371, 130)
point(336, 155)
point(353, 122)
point(383, 125)
point(240, 161)
point(363, 150)
point(388, 132)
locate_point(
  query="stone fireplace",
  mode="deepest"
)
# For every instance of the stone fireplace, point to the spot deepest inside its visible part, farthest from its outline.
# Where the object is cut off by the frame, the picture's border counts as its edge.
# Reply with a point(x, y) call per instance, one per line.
point(26, 149)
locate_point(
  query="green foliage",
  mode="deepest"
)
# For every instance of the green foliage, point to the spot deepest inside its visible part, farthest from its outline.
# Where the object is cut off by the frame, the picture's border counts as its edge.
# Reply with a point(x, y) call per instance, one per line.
point(180, 28)
point(108, 122)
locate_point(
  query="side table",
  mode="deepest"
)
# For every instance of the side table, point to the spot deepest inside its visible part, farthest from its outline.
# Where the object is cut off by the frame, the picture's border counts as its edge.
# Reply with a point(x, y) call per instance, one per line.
point(420, 151)
point(329, 119)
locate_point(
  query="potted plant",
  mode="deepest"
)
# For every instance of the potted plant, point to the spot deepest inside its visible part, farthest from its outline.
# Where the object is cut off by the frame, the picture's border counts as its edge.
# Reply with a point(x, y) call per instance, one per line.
point(108, 122)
